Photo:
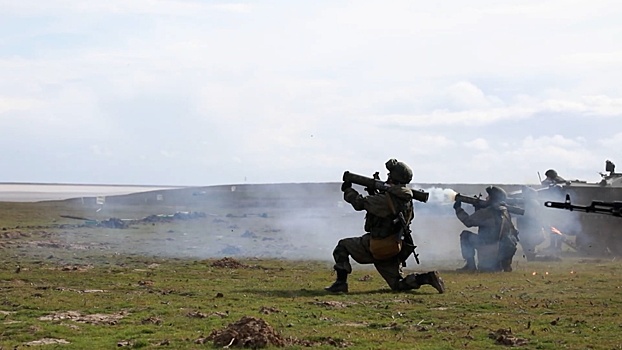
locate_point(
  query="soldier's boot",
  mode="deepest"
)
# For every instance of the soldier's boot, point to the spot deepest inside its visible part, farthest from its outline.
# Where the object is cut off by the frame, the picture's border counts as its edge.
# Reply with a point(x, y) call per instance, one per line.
point(530, 256)
point(434, 279)
point(469, 266)
point(506, 265)
point(341, 284)
point(414, 281)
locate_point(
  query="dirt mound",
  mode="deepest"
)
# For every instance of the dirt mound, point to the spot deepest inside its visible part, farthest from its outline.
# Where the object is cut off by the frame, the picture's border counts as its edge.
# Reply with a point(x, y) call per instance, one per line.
point(254, 333)
point(248, 332)
point(229, 263)
point(505, 337)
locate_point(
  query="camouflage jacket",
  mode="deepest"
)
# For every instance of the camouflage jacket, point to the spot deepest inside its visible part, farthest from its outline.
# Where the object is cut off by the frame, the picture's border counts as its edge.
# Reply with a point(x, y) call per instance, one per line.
point(380, 216)
point(489, 221)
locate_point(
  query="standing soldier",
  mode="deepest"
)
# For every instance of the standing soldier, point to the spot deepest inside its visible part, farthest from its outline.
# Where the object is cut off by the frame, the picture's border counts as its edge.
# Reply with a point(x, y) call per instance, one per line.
point(381, 244)
point(553, 180)
point(530, 225)
point(496, 239)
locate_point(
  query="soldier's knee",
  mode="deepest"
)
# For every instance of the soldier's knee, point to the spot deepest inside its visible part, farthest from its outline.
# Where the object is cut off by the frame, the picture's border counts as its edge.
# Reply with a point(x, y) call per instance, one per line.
point(400, 285)
point(340, 247)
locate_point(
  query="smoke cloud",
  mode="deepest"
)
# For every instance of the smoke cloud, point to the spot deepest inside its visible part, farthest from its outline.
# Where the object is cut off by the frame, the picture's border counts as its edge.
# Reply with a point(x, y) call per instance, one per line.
point(283, 221)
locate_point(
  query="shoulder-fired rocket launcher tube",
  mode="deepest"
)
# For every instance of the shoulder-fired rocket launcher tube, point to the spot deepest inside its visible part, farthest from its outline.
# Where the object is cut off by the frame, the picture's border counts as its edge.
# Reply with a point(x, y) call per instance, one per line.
point(379, 185)
point(477, 202)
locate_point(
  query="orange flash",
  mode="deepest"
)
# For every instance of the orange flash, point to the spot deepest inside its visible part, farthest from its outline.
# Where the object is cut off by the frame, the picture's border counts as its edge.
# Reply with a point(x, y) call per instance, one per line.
point(556, 231)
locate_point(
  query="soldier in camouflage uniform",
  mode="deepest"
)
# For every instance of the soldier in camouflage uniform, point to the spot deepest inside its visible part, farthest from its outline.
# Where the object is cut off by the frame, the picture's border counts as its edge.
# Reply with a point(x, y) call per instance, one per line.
point(380, 222)
point(553, 179)
point(496, 239)
point(531, 224)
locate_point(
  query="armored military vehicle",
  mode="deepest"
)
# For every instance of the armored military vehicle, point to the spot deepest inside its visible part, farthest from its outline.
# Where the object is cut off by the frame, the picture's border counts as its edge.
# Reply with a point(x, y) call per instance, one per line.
point(597, 232)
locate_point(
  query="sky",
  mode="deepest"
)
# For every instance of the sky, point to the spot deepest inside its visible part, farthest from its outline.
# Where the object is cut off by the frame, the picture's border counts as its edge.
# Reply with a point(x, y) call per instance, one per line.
point(200, 93)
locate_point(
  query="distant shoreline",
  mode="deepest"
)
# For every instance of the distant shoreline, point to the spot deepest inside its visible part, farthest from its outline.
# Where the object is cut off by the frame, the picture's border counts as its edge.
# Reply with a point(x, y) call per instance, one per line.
point(37, 192)
point(74, 184)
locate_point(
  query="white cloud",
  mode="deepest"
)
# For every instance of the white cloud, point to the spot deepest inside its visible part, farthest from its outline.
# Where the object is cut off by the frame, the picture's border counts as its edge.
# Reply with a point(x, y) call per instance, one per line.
point(189, 8)
point(102, 151)
point(614, 142)
point(465, 95)
point(234, 7)
point(603, 106)
point(478, 144)
point(463, 117)
point(20, 103)
point(308, 88)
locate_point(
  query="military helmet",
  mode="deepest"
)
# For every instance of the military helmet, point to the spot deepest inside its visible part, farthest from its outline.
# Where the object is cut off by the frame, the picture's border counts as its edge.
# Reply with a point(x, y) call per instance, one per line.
point(551, 173)
point(399, 171)
point(496, 194)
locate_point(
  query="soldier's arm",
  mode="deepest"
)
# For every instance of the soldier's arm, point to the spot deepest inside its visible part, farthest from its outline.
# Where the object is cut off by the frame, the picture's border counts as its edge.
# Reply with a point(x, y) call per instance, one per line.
point(376, 204)
point(352, 196)
point(478, 218)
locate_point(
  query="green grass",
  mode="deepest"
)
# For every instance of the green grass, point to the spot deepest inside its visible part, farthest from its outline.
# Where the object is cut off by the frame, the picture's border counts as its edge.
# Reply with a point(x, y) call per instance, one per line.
point(153, 303)
point(178, 302)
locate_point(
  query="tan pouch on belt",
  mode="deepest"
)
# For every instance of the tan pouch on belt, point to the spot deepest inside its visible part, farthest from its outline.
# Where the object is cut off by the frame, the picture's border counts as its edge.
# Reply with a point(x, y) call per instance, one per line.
point(385, 248)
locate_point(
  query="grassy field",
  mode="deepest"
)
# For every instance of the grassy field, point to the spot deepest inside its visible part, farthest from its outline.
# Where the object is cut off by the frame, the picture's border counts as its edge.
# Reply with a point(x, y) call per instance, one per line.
point(151, 303)
point(78, 292)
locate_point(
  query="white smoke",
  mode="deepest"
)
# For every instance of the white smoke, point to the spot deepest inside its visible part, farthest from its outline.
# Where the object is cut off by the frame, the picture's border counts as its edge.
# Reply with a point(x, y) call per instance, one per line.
point(441, 195)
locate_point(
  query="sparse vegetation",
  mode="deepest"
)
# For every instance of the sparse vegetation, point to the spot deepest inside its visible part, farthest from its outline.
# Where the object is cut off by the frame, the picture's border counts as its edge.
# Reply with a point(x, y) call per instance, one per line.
point(60, 288)
point(151, 303)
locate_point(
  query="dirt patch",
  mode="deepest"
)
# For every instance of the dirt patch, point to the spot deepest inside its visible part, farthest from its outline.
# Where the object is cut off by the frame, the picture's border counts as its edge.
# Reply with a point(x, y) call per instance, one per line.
point(46, 341)
point(95, 319)
point(59, 245)
point(251, 332)
point(197, 314)
point(333, 304)
point(152, 320)
point(228, 263)
point(590, 261)
point(266, 310)
point(80, 291)
point(505, 337)
point(365, 278)
point(14, 235)
point(77, 268)
point(338, 343)
point(248, 332)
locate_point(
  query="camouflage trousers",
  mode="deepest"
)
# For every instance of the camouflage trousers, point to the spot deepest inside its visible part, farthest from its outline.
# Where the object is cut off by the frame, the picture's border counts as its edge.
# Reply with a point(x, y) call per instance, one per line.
point(491, 256)
point(358, 249)
point(529, 239)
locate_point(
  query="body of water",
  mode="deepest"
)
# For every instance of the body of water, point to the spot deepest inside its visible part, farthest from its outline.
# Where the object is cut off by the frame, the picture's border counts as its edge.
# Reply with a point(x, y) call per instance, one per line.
point(21, 192)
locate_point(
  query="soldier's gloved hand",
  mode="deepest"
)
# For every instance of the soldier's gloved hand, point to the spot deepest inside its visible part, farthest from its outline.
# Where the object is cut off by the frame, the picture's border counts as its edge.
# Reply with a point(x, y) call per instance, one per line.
point(345, 185)
point(457, 204)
